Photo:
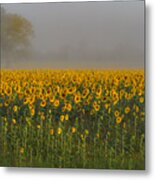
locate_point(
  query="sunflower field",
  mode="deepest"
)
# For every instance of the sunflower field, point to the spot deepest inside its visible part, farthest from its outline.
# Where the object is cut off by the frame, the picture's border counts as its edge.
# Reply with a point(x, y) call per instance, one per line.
point(72, 119)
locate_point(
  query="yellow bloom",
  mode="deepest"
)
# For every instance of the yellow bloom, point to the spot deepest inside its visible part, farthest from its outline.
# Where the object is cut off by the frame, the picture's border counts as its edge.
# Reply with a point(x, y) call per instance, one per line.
point(106, 106)
point(66, 117)
point(21, 150)
point(124, 125)
point(48, 92)
point(140, 93)
point(127, 96)
point(141, 99)
point(98, 135)
point(59, 130)
point(142, 113)
point(77, 98)
point(8, 91)
point(26, 100)
point(15, 108)
point(109, 110)
point(57, 89)
point(5, 119)
point(86, 131)
point(118, 120)
point(42, 117)
point(43, 103)
point(14, 121)
point(116, 113)
point(97, 107)
point(32, 111)
point(82, 136)
point(62, 117)
point(85, 93)
point(137, 109)
point(127, 110)
point(122, 93)
point(56, 103)
point(20, 96)
point(50, 111)
point(6, 103)
point(51, 98)
point(38, 126)
point(73, 129)
point(71, 90)
point(68, 106)
point(99, 91)
point(52, 131)
point(92, 112)
point(31, 99)
point(104, 99)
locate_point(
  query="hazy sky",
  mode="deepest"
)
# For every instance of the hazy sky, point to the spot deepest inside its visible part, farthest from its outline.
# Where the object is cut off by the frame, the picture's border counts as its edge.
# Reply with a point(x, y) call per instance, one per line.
point(86, 34)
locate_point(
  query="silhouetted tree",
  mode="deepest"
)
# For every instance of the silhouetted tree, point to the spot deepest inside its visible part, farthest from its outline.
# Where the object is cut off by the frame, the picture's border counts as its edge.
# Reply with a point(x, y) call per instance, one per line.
point(16, 33)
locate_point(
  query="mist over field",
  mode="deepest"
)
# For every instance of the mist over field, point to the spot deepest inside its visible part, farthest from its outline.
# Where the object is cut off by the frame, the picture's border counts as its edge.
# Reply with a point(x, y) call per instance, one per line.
point(82, 35)
point(72, 85)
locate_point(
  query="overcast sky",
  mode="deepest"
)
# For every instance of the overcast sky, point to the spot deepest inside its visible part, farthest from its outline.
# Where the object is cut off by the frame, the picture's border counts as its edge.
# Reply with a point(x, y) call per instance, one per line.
point(86, 34)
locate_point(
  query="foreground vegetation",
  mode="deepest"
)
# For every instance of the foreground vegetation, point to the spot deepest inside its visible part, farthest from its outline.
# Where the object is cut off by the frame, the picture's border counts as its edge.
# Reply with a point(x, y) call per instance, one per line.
point(72, 118)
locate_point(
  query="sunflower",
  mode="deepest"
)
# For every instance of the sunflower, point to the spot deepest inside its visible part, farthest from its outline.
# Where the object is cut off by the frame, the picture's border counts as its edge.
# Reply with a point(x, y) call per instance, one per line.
point(52, 131)
point(38, 126)
point(99, 92)
point(8, 91)
point(141, 99)
point(82, 137)
point(85, 93)
point(68, 106)
point(86, 131)
point(18, 89)
point(127, 110)
point(59, 130)
point(26, 100)
point(27, 91)
point(73, 129)
point(20, 96)
point(127, 96)
point(116, 113)
point(77, 98)
point(124, 125)
point(137, 109)
point(63, 94)
point(106, 105)
point(98, 135)
point(42, 117)
point(62, 117)
point(92, 111)
point(21, 150)
point(6, 103)
point(31, 99)
point(57, 89)
point(118, 120)
point(48, 92)
point(32, 111)
point(122, 92)
point(73, 90)
point(97, 107)
point(66, 117)
point(14, 121)
point(43, 103)
point(51, 98)
point(15, 108)
point(56, 103)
